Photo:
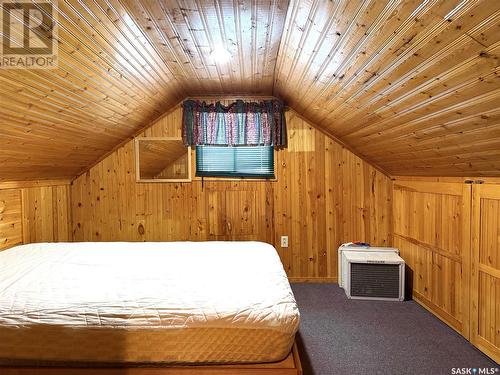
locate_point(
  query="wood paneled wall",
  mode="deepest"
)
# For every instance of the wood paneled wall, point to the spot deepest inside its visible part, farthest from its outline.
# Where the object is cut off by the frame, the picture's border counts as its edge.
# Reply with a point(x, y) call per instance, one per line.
point(485, 272)
point(34, 212)
point(323, 195)
point(448, 233)
point(11, 230)
point(432, 231)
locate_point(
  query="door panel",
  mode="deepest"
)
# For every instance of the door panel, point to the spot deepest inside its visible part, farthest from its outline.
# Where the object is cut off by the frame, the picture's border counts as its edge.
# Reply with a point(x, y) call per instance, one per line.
point(485, 276)
point(432, 231)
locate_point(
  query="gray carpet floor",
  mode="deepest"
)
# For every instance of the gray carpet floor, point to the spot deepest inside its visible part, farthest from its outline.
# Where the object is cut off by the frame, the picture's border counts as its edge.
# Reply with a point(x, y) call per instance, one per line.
point(342, 336)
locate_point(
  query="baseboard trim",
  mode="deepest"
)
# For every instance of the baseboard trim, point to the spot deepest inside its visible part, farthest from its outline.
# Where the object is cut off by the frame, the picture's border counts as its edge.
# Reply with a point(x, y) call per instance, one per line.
point(439, 313)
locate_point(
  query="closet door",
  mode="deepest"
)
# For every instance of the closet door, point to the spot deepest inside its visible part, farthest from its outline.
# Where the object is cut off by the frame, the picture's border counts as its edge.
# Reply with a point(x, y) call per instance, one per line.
point(485, 281)
point(432, 232)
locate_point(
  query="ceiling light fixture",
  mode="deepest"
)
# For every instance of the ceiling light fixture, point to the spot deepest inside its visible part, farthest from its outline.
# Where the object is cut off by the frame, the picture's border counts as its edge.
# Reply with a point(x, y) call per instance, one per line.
point(220, 55)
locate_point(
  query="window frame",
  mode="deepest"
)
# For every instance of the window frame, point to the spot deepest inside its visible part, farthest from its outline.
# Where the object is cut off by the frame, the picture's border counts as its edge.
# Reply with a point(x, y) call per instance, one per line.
point(233, 178)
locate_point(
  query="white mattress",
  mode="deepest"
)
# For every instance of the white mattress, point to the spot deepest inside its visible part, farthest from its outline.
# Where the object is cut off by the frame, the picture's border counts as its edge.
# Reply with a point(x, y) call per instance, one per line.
point(196, 302)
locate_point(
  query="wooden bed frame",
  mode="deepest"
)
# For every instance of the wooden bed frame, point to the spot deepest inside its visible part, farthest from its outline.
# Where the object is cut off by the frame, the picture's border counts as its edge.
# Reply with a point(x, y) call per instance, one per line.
point(289, 366)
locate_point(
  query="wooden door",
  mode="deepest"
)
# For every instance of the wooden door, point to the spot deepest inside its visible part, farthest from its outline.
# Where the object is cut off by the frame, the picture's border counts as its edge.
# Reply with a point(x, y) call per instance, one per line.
point(432, 231)
point(485, 266)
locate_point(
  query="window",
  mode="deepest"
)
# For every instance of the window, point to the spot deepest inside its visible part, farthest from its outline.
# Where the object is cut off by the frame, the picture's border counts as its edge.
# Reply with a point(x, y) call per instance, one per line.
point(235, 161)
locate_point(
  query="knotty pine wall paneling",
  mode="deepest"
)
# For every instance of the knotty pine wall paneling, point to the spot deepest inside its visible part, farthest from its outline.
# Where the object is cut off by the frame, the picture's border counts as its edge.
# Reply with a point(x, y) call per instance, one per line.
point(448, 233)
point(432, 231)
point(34, 212)
point(323, 195)
point(11, 231)
point(485, 271)
point(46, 214)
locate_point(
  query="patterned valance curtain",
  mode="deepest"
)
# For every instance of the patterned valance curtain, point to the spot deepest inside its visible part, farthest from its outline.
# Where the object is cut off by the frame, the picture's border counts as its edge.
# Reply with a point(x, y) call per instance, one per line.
point(240, 123)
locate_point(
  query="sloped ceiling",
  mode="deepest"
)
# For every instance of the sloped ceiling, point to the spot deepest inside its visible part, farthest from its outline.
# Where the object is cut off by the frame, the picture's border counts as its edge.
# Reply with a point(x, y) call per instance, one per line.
point(122, 63)
point(412, 86)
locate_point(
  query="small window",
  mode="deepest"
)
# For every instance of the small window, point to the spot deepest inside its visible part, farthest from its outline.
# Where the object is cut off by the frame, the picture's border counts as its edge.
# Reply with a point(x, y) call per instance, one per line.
point(235, 161)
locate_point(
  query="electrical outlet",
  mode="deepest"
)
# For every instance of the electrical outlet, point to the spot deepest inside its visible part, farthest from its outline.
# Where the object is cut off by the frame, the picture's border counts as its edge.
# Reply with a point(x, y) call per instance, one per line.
point(284, 241)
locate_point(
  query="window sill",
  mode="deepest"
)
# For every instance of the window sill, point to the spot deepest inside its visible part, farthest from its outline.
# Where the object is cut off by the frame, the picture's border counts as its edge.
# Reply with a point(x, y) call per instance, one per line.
point(222, 179)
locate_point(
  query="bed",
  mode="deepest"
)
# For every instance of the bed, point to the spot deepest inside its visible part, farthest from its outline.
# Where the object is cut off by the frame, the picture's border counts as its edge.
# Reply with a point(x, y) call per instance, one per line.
point(137, 304)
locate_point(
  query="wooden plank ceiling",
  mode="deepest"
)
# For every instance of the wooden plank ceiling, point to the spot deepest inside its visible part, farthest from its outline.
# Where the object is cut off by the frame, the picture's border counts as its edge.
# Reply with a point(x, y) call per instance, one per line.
point(122, 63)
point(413, 86)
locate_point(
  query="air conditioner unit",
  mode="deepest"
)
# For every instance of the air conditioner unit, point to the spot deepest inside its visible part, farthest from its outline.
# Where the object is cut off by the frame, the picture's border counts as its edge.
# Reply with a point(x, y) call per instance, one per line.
point(371, 273)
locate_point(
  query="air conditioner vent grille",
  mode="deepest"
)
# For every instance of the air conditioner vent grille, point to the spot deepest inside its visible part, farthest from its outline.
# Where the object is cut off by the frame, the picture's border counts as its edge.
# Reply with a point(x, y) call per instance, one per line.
point(374, 280)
